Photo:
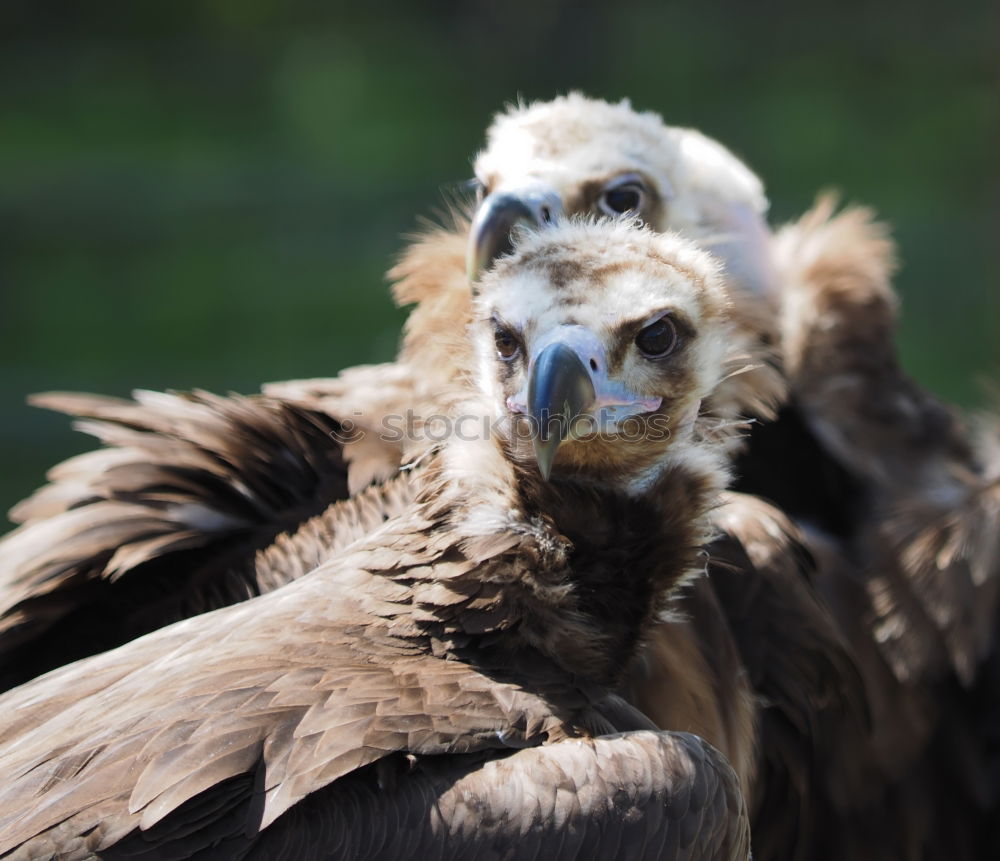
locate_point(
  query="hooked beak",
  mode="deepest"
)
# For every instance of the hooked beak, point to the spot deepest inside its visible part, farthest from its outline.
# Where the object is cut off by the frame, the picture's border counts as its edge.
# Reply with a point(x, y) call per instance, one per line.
point(568, 382)
point(560, 390)
point(499, 214)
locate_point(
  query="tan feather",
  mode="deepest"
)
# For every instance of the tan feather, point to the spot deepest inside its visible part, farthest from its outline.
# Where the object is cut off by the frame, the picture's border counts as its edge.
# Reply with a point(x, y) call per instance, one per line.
point(437, 631)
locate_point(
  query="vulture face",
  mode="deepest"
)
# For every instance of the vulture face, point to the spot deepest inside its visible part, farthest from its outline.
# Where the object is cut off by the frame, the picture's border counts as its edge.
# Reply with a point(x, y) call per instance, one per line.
point(576, 155)
point(601, 341)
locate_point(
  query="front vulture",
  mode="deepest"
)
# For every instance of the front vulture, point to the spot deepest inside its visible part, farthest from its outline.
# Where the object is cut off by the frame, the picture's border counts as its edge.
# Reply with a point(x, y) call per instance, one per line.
point(443, 687)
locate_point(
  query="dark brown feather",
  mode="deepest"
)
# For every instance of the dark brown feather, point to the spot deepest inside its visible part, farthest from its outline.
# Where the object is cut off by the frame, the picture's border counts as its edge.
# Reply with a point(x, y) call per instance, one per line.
point(909, 456)
point(162, 524)
point(893, 503)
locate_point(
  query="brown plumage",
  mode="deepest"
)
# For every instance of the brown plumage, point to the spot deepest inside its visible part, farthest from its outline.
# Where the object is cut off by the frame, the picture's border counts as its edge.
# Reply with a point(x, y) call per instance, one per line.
point(906, 451)
point(899, 614)
point(160, 525)
point(496, 612)
point(723, 707)
point(912, 568)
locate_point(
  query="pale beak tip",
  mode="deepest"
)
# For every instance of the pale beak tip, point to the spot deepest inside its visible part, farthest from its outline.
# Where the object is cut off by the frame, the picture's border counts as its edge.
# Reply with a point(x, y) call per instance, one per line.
point(545, 454)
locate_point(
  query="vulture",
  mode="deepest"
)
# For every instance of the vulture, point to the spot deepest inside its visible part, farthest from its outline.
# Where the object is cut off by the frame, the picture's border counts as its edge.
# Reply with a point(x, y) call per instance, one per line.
point(444, 683)
point(849, 603)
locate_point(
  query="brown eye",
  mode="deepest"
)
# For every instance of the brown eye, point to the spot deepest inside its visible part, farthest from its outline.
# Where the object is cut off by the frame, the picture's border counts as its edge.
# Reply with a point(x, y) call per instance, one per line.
point(658, 339)
point(507, 345)
point(627, 197)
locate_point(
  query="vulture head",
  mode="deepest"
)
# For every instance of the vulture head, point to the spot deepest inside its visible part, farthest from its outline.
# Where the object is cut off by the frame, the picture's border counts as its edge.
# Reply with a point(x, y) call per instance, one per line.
point(600, 341)
point(574, 155)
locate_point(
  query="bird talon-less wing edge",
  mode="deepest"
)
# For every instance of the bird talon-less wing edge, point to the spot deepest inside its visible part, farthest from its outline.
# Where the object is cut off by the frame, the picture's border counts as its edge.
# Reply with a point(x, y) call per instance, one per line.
point(827, 626)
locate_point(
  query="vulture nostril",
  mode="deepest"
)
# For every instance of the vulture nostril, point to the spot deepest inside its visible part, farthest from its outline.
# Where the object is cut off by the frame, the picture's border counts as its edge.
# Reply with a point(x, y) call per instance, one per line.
point(593, 364)
point(546, 215)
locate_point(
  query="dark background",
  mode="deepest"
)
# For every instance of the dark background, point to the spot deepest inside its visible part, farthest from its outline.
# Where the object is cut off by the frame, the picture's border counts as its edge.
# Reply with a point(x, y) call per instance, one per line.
point(207, 194)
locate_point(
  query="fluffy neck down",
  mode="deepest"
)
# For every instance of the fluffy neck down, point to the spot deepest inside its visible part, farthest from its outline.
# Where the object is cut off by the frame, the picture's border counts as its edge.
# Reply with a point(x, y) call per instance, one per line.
point(577, 570)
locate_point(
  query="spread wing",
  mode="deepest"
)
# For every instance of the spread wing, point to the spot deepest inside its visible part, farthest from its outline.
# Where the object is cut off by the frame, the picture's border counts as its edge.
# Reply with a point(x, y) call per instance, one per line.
point(165, 521)
point(373, 404)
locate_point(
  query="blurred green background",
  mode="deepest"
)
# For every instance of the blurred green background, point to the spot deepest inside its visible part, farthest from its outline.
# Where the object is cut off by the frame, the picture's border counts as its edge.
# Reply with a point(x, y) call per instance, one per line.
point(207, 194)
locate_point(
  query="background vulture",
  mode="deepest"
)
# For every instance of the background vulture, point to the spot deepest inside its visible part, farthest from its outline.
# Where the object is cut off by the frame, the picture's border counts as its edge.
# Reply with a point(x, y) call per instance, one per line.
point(496, 613)
point(876, 642)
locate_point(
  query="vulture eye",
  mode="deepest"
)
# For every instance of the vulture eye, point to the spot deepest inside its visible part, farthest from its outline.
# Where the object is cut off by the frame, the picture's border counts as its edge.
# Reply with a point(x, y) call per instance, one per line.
point(478, 188)
point(508, 347)
point(627, 197)
point(658, 339)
